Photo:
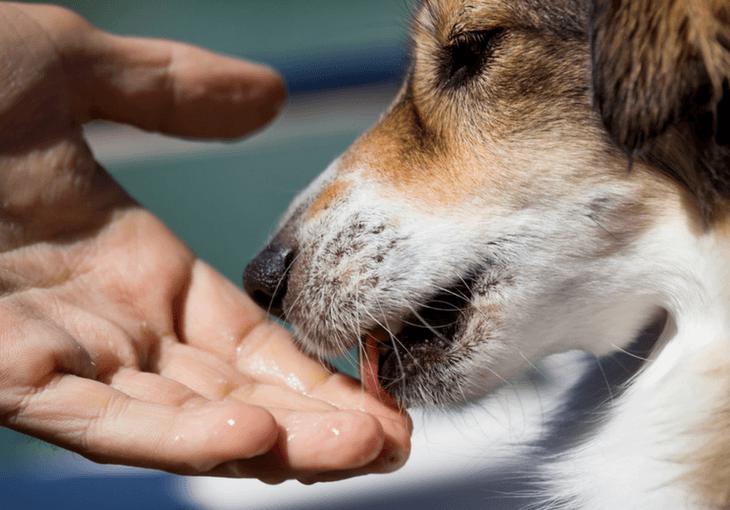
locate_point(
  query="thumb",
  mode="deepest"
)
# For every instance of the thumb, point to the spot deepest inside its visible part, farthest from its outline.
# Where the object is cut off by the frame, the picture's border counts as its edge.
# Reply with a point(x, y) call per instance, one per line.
point(178, 89)
point(158, 85)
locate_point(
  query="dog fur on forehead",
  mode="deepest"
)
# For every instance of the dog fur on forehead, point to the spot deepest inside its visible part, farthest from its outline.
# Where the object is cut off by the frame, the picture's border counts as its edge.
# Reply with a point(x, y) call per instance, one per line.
point(560, 16)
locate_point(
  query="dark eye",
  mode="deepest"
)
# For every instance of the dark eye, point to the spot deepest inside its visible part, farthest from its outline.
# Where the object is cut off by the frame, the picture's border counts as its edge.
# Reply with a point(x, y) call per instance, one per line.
point(466, 55)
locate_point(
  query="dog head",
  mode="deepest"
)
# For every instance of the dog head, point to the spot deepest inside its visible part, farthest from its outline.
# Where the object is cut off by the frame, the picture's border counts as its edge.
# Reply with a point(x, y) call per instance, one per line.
point(502, 207)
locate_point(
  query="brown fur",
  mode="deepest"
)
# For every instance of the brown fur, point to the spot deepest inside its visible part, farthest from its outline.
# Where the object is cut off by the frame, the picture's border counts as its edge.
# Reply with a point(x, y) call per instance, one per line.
point(660, 72)
point(402, 153)
point(326, 197)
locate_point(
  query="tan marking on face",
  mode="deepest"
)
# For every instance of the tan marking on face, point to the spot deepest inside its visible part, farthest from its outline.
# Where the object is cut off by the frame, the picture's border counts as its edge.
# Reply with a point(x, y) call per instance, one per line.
point(327, 196)
point(400, 154)
point(441, 147)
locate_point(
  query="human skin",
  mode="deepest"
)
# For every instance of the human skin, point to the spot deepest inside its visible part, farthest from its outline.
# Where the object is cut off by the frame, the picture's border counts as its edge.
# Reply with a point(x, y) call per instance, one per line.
point(115, 340)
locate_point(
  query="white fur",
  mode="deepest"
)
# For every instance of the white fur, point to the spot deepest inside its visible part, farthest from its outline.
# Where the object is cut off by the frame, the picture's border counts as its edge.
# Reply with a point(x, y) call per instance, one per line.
point(639, 458)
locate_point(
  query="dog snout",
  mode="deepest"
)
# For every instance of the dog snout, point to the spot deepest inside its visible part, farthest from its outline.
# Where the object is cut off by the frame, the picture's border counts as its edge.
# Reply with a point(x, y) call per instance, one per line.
point(265, 277)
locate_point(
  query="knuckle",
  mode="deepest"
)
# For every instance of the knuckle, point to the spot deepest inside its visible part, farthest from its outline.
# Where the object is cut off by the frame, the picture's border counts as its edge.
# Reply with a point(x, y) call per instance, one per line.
point(15, 403)
point(65, 19)
point(365, 441)
point(369, 428)
point(263, 433)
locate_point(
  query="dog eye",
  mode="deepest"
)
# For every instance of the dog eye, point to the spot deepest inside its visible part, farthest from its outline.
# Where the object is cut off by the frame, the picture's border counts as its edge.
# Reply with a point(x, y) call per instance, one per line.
point(467, 54)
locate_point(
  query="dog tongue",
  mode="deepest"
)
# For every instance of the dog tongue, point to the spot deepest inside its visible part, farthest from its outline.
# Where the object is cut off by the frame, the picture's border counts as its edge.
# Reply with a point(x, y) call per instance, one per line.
point(369, 370)
point(369, 365)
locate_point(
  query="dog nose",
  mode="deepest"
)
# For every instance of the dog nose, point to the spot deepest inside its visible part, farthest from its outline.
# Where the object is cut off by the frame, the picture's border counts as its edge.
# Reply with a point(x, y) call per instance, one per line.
point(265, 277)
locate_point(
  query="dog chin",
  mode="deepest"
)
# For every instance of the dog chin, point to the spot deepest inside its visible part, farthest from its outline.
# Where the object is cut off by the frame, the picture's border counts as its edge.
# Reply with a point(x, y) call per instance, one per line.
point(436, 354)
point(448, 368)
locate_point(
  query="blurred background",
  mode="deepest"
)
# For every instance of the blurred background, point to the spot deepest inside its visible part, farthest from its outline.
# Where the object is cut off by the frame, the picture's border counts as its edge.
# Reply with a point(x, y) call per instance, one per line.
point(343, 61)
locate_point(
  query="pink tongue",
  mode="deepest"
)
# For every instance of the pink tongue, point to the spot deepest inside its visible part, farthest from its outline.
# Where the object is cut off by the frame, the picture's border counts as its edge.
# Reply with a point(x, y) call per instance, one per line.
point(369, 371)
point(369, 365)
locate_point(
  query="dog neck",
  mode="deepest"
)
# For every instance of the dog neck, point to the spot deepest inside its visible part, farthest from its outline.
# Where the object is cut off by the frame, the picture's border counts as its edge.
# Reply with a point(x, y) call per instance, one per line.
point(664, 442)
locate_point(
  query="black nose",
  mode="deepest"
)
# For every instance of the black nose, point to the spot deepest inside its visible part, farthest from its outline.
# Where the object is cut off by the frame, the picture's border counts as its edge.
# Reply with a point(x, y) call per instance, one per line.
point(265, 277)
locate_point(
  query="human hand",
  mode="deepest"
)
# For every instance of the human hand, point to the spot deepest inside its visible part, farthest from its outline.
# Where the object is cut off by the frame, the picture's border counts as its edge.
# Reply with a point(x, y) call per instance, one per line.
point(115, 341)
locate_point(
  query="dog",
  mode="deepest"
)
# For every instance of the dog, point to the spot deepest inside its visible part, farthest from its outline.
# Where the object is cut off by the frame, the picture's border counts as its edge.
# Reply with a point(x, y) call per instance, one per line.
point(553, 175)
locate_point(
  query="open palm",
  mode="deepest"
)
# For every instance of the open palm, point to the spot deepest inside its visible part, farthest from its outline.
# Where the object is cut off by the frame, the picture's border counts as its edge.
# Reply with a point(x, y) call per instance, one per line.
point(116, 341)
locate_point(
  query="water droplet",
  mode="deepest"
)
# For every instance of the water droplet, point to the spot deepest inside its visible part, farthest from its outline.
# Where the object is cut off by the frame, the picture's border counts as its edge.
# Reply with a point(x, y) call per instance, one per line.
point(295, 383)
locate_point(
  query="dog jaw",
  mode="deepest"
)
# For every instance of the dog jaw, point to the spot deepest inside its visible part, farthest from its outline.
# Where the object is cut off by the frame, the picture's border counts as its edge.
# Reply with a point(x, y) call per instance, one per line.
point(372, 257)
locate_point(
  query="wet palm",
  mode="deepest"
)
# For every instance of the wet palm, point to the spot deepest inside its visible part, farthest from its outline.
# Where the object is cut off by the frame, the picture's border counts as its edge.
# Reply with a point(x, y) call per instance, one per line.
point(117, 342)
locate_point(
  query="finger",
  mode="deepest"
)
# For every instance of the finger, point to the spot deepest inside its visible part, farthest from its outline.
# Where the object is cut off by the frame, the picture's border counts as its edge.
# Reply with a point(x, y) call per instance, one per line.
point(215, 380)
point(201, 371)
point(178, 89)
point(215, 314)
point(268, 360)
point(267, 354)
point(108, 426)
point(159, 85)
point(270, 396)
point(393, 455)
point(154, 388)
point(314, 436)
point(346, 393)
point(218, 317)
point(324, 441)
point(374, 468)
point(106, 343)
point(32, 350)
point(271, 357)
point(313, 443)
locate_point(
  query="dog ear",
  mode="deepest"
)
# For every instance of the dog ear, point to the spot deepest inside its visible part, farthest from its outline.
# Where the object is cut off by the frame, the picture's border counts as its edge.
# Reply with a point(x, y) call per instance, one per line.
point(660, 63)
